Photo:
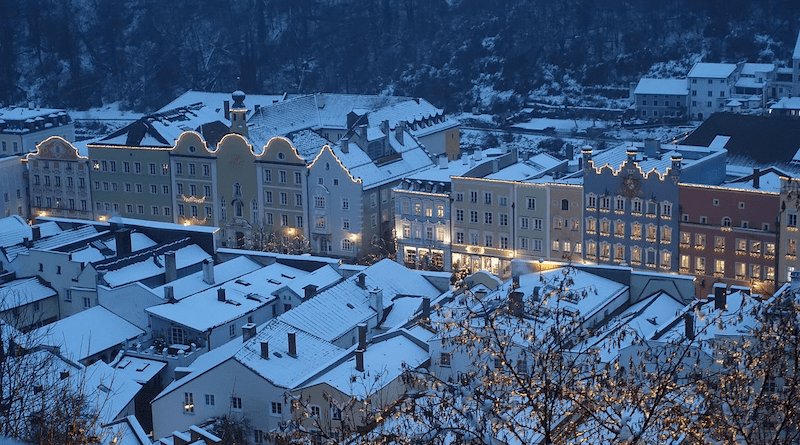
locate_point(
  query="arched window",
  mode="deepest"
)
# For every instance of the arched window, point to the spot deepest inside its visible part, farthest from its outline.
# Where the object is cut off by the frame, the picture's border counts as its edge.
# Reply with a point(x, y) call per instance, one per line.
point(726, 222)
point(237, 208)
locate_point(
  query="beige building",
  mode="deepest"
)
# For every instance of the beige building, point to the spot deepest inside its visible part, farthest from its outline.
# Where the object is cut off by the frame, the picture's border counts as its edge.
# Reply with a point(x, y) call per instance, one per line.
point(59, 180)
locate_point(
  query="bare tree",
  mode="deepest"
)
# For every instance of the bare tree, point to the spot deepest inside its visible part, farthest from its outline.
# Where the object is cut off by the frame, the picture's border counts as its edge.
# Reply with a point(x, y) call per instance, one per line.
point(44, 397)
point(516, 366)
point(752, 398)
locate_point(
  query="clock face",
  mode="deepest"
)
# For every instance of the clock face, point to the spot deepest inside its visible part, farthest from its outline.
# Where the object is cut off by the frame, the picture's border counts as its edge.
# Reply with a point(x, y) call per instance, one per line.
point(630, 186)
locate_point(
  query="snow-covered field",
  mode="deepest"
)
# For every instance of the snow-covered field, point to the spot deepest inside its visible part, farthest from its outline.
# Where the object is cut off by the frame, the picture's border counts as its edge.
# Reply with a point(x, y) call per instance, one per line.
point(541, 123)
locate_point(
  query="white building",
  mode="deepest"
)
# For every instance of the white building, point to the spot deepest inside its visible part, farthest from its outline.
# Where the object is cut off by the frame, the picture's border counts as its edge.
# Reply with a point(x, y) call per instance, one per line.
point(711, 85)
point(661, 98)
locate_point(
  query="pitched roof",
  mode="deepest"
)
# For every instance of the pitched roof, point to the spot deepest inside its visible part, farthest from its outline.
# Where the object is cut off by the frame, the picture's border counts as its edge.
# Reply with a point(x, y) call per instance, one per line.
point(162, 129)
point(765, 139)
point(337, 310)
point(281, 368)
point(203, 310)
point(712, 70)
point(88, 332)
point(23, 291)
point(383, 363)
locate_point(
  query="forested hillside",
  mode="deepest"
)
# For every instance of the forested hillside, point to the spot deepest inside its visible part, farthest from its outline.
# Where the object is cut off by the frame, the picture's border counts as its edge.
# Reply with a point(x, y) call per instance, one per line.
point(457, 53)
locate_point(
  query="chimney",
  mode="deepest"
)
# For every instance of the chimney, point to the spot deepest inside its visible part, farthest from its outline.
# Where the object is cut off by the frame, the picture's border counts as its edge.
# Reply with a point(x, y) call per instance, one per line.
point(248, 331)
point(443, 162)
point(426, 308)
point(570, 151)
point(208, 271)
point(495, 166)
point(291, 337)
point(794, 280)
point(170, 267)
point(399, 130)
point(756, 178)
point(169, 294)
point(478, 154)
point(360, 361)
point(36, 233)
point(376, 302)
point(586, 153)
point(123, 239)
point(362, 283)
point(688, 323)
point(385, 127)
point(518, 267)
point(226, 105)
point(221, 294)
point(362, 336)
point(345, 141)
point(362, 132)
point(310, 291)
point(652, 147)
point(265, 350)
point(720, 297)
point(631, 152)
point(27, 242)
point(516, 304)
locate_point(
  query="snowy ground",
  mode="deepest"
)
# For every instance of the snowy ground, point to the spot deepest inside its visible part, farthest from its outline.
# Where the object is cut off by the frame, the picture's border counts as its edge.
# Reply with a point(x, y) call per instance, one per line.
point(97, 122)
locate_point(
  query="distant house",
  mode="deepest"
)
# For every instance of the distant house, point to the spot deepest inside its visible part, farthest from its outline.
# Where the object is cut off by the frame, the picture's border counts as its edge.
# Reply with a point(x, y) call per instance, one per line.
point(250, 379)
point(661, 98)
point(711, 85)
point(786, 106)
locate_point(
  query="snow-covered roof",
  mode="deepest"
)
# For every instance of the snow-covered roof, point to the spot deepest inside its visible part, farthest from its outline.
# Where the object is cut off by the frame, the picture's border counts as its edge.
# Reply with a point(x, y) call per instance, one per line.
point(322, 278)
point(642, 318)
point(223, 272)
point(162, 129)
point(735, 319)
point(132, 222)
point(22, 114)
point(413, 158)
point(615, 156)
point(23, 291)
point(383, 363)
point(308, 143)
point(88, 332)
point(203, 310)
point(138, 369)
point(787, 103)
point(67, 237)
point(338, 309)
point(281, 368)
point(458, 167)
point(216, 101)
point(751, 69)
point(769, 181)
point(149, 267)
point(330, 111)
point(673, 87)
point(712, 70)
point(13, 230)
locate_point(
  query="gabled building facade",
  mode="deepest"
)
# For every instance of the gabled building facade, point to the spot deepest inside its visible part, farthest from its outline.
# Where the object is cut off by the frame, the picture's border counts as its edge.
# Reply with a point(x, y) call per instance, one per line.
point(59, 180)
